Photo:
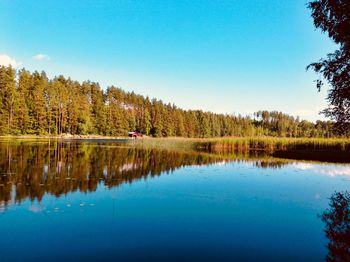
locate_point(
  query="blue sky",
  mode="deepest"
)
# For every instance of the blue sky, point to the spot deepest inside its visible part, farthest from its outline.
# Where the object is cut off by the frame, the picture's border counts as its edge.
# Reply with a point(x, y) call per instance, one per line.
point(221, 56)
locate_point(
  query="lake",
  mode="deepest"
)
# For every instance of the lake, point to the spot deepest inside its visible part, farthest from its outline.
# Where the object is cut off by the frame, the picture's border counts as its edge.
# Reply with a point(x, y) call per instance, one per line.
point(102, 200)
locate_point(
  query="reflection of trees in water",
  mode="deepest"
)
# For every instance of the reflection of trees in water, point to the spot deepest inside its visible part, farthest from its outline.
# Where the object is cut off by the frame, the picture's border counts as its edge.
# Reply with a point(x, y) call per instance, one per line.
point(337, 229)
point(32, 169)
point(270, 164)
point(57, 168)
point(260, 158)
point(308, 151)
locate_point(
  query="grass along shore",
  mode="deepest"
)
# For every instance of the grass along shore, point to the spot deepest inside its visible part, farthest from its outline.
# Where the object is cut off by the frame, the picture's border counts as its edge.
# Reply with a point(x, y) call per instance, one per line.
point(246, 143)
point(335, 150)
point(215, 144)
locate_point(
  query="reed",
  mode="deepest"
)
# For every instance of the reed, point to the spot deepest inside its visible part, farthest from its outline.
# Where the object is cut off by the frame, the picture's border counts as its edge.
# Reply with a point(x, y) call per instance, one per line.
point(165, 143)
point(246, 143)
point(276, 143)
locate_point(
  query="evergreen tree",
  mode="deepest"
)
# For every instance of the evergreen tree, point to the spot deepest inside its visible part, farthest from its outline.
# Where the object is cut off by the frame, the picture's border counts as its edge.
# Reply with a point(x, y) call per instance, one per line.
point(33, 104)
point(25, 82)
point(9, 100)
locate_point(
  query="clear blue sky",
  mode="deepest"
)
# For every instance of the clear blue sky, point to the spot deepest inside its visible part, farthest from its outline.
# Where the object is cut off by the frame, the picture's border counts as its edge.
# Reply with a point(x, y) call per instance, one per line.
point(222, 56)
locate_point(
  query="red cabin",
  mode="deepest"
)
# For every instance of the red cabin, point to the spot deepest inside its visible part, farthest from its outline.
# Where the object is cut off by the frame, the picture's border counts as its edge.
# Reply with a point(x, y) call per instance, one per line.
point(135, 134)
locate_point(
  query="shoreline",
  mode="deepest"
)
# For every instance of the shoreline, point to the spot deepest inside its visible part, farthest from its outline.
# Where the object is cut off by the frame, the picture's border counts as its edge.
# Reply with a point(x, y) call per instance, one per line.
point(65, 136)
point(335, 150)
point(226, 139)
point(266, 143)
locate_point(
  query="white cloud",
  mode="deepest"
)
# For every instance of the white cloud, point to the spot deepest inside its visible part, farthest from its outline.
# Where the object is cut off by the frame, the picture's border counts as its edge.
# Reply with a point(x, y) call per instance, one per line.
point(6, 60)
point(303, 166)
point(41, 57)
point(330, 170)
point(343, 171)
point(35, 209)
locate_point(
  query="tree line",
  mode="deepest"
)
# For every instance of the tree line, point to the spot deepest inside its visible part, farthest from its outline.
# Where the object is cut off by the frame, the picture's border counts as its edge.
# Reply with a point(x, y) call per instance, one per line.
point(33, 104)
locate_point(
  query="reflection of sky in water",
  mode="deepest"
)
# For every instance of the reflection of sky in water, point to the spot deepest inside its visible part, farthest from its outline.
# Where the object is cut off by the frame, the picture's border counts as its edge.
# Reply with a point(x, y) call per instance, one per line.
point(324, 169)
point(229, 210)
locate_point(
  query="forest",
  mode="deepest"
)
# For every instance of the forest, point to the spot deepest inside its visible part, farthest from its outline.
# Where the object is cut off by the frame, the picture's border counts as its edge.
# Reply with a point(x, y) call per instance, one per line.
point(33, 104)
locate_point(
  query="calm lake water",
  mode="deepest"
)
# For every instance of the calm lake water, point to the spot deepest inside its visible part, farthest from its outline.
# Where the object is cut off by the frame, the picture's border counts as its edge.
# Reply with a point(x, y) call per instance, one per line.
point(95, 201)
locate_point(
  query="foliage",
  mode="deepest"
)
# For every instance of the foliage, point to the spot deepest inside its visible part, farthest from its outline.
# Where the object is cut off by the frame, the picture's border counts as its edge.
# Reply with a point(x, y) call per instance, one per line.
point(333, 18)
point(34, 104)
point(337, 219)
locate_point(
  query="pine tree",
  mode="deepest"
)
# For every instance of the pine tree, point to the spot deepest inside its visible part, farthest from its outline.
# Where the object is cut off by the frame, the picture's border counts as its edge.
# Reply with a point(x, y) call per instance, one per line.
point(9, 99)
point(25, 83)
point(37, 103)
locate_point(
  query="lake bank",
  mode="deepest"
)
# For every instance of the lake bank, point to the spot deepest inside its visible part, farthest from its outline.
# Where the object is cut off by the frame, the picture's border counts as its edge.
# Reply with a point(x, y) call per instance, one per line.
point(265, 143)
point(63, 136)
point(247, 143)
point(317, 149)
